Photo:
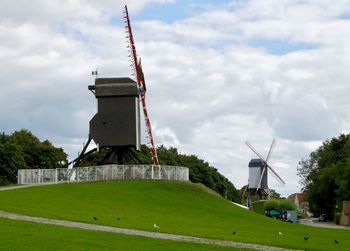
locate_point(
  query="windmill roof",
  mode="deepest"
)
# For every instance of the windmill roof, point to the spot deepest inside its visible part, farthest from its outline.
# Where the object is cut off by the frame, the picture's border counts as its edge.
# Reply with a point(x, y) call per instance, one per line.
point(255, 163)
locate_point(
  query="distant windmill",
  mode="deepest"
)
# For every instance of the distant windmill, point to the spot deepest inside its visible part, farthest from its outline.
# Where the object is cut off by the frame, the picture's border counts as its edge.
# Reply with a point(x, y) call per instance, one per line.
point(258, 170)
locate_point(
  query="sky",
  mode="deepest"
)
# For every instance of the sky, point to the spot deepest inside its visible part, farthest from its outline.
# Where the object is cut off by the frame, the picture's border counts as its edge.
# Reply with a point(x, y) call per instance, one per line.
point(218, 73)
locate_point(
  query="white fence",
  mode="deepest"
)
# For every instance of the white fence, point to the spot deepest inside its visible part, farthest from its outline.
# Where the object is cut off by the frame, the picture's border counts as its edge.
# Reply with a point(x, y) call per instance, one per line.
point(106, 172)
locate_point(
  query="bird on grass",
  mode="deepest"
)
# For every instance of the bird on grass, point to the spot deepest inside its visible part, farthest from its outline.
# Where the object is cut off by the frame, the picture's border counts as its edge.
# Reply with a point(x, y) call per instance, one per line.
point(118, 218)
point(94, 218)
point(234, 232)
point(280, 233)
point(336, 242)
point(306, 238)
point(155, 226)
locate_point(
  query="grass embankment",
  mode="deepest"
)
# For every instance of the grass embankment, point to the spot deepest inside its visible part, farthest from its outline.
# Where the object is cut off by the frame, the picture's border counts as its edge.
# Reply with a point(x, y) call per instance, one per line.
point(258, 206)
point(24, 236)
point(180, 208)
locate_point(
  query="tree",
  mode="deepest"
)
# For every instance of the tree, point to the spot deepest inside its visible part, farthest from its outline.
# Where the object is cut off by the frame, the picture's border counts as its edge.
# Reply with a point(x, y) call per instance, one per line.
point(274, 194)
point(11, 159)
point(22, 150)
point(39, 154)
point(51, 156)
point(325, 176)
point(29, 146)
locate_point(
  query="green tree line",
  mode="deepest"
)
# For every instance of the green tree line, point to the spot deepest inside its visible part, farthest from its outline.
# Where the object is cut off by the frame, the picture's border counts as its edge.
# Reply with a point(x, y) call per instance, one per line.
point(325, 176)
point(22, 150)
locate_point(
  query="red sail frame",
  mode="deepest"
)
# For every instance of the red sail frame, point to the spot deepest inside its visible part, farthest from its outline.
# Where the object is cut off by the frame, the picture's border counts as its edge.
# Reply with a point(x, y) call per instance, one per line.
point(137, 67)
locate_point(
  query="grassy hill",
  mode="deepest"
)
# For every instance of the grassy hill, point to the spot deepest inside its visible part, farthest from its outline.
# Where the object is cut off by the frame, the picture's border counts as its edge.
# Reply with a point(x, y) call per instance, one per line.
point(177, 207)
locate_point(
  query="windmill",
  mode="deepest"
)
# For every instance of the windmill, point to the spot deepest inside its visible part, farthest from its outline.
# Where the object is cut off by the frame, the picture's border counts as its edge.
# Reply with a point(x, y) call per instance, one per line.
point(258, 170)
point(116, 125)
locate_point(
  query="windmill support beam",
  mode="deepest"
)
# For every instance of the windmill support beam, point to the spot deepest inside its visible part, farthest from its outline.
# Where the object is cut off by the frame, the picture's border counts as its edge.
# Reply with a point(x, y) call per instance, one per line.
point(77, 160)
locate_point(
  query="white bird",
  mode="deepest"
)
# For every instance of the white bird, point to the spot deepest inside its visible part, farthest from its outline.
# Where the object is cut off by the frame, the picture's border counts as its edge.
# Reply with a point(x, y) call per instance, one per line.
point(155, 226)
point(280, 233)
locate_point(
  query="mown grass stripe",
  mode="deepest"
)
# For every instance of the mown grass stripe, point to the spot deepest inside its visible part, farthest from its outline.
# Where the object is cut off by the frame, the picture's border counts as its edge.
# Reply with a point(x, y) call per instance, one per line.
point(134, 232)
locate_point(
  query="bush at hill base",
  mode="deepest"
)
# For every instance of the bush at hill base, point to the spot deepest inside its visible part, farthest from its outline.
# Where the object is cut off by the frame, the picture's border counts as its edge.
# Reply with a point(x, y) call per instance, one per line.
point(279, 205)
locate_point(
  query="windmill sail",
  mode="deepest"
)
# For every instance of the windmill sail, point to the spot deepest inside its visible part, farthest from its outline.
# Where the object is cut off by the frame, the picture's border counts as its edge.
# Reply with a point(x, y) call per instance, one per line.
point(137, 68)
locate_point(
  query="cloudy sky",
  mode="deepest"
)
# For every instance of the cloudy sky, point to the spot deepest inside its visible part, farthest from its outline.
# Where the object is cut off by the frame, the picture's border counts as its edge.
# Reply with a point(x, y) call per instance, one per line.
point(218, 73)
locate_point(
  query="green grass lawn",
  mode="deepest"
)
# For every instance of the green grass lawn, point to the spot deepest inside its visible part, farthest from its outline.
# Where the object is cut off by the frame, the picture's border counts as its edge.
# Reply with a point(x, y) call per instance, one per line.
point(177, 207)
point(20, 235)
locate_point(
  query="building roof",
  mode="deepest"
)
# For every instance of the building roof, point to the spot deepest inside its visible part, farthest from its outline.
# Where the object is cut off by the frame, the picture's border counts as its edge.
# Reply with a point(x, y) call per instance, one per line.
point(297, 196)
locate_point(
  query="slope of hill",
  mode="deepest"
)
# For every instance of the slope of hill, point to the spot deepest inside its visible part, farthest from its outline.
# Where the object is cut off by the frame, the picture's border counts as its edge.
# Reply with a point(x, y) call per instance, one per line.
point(177, 207)
point(199, 170)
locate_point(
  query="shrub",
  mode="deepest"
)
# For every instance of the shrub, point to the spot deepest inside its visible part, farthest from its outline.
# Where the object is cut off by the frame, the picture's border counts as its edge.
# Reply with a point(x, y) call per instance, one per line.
point(287, 205)
point(271, 204)
point(279, 205)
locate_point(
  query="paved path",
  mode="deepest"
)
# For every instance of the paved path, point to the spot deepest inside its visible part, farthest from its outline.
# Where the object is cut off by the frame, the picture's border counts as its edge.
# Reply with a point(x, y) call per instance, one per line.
point(139, 232)
point(24, 186)
point(315, 223)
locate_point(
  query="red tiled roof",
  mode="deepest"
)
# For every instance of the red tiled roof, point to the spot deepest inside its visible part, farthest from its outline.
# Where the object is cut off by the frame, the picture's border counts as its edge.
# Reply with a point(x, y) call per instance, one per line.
point(300, 197)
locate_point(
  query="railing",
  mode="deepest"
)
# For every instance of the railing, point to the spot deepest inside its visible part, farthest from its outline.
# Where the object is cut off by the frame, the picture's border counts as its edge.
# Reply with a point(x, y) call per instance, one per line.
point(106, 172)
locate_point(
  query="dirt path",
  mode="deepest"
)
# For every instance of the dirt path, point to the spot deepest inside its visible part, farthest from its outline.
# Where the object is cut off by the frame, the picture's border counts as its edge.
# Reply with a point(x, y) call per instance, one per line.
point(138, 232)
